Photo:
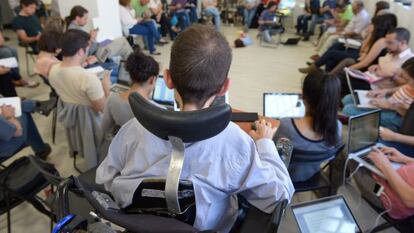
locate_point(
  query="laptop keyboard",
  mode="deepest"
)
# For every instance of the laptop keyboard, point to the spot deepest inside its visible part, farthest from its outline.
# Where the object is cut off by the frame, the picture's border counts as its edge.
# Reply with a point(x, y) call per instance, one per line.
point(367, 159)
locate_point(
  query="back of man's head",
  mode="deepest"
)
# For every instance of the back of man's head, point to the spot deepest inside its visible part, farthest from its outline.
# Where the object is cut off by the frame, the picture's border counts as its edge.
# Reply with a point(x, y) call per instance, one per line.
point(74, 40)
point(199, 65)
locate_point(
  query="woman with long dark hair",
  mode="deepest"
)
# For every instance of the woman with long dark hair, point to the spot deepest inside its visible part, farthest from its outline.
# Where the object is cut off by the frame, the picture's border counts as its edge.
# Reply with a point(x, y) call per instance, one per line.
point(319, 130)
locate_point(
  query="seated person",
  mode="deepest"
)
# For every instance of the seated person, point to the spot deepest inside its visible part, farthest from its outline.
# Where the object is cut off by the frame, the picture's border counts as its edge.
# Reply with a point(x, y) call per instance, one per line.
point(394, 107)
point(157, 10)
point(139, 26)
point(27, 25)
point(143, 71)
point(268, 24)
point(311, 7)
point(354, 29)
point(78, 19)
point(16, 133)
point(71, 81)
point(220, 167)
point(319, 130)
point(381, 25)
point(210, 9)
point(325, 12)
point(13, 74)
point(49, 46)
point(398, 194)
point(191, 7)
point(249, 11)
point(373, 47)
point(177, 9)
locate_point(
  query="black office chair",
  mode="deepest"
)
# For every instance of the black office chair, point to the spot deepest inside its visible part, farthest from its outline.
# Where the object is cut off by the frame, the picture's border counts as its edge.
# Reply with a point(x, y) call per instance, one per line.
point(319, 181)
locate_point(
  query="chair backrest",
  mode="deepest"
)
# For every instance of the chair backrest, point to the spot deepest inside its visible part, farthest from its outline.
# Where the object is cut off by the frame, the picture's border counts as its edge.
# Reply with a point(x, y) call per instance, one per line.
point(407, 127)
point(305, 156)
point(178, 128)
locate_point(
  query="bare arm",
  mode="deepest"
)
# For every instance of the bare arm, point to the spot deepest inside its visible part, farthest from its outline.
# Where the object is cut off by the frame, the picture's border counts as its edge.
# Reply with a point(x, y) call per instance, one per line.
point(21, 34)
point(373, 53)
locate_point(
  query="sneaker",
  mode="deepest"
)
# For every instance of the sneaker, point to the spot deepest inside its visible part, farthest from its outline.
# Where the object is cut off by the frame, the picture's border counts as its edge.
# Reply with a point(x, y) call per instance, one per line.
point(45, 107)
point(45, 153)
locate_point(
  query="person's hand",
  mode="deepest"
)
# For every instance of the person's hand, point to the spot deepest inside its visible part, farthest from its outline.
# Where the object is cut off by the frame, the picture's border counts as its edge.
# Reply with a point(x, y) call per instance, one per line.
point(179, 6)
point(380, 103)
point(379, 159)
point(94, 34)
point(387, 134)
point(394, 155)
point(4, 70)
point(263, 130)
point(373, 69)
point(91, 60)
point(38, 36)
point(377, 93)
point(7, 111)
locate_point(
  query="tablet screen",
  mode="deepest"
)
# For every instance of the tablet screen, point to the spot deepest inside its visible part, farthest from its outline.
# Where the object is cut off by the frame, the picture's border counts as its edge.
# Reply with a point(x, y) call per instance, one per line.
point(281, 105)
point(162, 94)
point(329, 215)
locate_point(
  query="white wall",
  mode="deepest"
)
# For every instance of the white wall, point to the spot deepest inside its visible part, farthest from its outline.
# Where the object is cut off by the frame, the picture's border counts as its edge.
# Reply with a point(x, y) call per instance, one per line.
point(105, 11)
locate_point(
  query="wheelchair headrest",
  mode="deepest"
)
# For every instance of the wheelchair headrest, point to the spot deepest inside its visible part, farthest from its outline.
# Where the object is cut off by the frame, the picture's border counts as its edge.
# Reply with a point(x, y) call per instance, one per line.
point(188, 126)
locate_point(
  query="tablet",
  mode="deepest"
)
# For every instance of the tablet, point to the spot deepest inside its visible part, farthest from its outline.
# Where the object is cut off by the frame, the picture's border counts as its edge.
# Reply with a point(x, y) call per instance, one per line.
point(162, 94)
point(281, 105)
point(330, 214)
point(15, 102)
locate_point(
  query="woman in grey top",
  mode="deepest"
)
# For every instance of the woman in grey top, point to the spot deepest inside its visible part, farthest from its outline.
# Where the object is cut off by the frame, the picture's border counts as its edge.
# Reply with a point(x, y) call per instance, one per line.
point(143, 71)
point(319, 130)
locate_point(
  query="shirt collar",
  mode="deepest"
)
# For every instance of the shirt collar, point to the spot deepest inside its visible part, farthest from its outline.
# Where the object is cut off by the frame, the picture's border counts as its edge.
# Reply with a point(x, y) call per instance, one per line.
point(404, 53)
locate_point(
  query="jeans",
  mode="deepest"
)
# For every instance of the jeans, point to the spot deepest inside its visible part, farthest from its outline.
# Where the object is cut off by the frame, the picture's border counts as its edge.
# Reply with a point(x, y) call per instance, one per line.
point(183, 19)
point(403, 148)
point(149, 31)
point(389, 119)
point(248, 16)
point(302, 24)
point(192, 14)
point(213, 11)
point(30, 135)
point(316, 19)
point(165, 24)
point(335, 54)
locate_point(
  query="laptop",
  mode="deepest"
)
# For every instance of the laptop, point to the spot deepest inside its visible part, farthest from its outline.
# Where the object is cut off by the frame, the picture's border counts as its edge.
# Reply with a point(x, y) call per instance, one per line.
point(291, 41)
point(363, 135)
point(329, 214)
point(359, 97)
point(162, 94)
point(280, 105)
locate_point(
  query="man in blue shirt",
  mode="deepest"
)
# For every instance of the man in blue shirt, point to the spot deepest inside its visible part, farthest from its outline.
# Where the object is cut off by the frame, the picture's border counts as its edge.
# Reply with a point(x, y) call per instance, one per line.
point(268, 22)
point(220, 167)
point(311, 8)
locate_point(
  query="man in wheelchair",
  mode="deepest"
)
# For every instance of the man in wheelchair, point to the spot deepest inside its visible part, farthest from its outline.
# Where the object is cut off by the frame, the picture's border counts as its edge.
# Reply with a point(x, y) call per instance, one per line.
point(220, 167)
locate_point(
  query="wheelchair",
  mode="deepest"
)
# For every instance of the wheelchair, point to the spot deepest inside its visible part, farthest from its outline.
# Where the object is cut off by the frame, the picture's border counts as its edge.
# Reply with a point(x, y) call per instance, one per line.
point(164, 205)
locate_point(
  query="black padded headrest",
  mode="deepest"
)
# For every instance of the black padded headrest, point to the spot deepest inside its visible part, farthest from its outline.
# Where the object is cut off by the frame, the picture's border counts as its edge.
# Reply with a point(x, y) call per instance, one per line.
point(190, 126)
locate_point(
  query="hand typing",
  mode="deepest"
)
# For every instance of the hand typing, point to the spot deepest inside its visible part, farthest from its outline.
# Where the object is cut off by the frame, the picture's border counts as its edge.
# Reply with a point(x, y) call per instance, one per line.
point(263, 130)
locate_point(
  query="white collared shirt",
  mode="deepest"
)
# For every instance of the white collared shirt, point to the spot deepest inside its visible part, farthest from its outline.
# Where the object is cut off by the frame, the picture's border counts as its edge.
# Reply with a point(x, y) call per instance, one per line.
point(219, 167)
point(358, 22)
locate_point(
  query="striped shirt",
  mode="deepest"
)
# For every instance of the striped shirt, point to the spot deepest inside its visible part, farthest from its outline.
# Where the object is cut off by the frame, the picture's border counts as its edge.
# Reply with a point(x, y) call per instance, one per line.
point(404, 96)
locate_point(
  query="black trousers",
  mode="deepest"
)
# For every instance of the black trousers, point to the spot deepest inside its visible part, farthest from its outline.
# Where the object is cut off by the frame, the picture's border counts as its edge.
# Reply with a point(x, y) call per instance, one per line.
point(165, 24)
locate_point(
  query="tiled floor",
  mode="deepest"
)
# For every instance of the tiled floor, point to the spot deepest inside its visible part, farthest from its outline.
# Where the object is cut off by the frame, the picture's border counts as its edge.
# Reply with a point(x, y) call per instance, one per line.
point(254, 70)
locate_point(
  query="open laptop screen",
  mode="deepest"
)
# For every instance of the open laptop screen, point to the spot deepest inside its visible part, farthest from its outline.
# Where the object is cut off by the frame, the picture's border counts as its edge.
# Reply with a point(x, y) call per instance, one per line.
point(330, 214)
point(363, 131)
point(280, 105)
point(161, 93)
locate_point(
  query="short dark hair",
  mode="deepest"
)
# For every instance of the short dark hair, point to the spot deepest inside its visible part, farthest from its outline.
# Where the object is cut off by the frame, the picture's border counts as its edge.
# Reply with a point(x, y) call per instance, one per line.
point(50, 41)
point(73, 40)
point(28, 2)
point(402, 34)
point(141, 67)
point(199, 64)
point(322, 94)
point(408, 66)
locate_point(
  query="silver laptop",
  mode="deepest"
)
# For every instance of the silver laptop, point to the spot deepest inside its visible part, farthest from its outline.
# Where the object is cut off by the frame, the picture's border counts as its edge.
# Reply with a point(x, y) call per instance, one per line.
point(359, 97)
point(281, 105)
point(363, 135)
point(328, 215)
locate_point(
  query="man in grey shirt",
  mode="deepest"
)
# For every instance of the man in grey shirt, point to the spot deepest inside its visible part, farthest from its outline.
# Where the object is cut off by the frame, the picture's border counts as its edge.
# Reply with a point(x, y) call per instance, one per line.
point(220, 167)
